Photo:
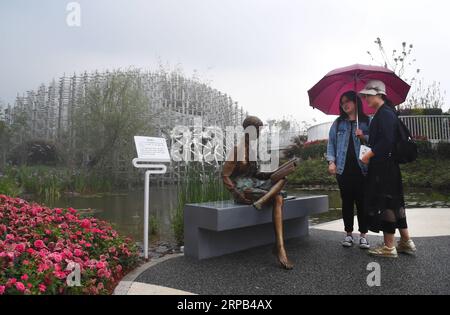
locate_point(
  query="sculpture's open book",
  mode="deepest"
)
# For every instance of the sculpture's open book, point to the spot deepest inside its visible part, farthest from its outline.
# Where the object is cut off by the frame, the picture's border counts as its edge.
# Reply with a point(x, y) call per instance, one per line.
point(284, 170)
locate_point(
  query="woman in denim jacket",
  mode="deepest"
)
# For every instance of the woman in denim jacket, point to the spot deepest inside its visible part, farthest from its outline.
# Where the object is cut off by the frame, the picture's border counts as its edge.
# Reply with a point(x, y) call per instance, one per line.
point(343, 159)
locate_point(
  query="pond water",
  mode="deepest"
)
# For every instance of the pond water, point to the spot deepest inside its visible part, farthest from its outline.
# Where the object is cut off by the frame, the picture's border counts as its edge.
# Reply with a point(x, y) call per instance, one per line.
point(125, 210)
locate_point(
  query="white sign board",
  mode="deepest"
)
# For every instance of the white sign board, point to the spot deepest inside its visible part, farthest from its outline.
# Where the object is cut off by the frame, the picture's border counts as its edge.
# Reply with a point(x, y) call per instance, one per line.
point(152, 149)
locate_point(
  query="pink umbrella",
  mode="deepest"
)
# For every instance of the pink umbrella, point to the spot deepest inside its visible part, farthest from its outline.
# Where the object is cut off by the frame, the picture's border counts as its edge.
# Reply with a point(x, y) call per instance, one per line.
point(326, 93)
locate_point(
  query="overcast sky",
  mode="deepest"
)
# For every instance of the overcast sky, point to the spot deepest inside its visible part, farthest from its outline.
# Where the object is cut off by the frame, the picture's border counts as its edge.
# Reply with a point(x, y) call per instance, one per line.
point(265, 54)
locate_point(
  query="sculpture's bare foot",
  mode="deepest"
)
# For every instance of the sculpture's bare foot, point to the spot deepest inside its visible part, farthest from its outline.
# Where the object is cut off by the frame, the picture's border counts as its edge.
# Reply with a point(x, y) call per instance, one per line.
point(283, 260)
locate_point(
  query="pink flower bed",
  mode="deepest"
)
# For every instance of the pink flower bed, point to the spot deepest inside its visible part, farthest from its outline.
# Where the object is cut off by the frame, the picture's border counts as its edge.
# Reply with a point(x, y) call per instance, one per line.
point(38, 243)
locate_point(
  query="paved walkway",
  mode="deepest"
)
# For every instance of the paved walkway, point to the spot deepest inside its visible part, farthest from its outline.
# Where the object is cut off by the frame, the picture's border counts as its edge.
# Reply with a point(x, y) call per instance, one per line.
point(322, 266)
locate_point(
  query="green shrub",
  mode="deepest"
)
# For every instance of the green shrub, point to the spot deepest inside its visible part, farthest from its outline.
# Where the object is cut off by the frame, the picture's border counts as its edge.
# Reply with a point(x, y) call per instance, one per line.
point(424, 148)
point(36, 152)
point(443, 150)
point(154, 225)
point(9, 186)
point(312, 172)
point(432, 111)
point(427, 173)
point(417, 111)
point(314, 150)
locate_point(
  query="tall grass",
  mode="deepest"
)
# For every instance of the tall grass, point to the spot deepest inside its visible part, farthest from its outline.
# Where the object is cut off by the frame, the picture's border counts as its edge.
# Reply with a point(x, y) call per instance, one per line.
point(90, 182)
point(48, 183)
point(43, 181)
point(9, 186)
point(199, 185)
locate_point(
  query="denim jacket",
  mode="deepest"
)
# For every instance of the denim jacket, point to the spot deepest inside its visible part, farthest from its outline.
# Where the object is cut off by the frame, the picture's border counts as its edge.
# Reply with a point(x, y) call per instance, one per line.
point(338, 144)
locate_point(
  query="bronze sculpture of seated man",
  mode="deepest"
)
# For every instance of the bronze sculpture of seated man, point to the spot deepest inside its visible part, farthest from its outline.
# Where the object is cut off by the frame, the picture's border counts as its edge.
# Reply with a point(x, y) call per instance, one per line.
point(249, 186)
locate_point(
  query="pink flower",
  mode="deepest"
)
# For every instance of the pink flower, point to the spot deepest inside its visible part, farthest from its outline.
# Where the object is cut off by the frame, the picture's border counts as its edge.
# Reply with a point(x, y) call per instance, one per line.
point(20, 247)
point(20, 286)
point(39, 244)
point(67, 253)
point(11, 282)
point(59, 274)
point(57, 257)
point(72, 210)
point(43, 267)
point(86, 224)
point(42, 241)
point(100, 265)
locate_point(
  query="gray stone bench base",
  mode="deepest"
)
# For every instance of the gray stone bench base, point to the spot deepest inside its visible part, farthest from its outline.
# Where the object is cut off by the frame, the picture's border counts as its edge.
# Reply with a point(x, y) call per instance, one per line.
point(218, 228)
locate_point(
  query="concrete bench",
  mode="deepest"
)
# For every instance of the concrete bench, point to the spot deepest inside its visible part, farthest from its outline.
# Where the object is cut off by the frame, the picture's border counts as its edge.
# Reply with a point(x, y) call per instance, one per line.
point(216, 228)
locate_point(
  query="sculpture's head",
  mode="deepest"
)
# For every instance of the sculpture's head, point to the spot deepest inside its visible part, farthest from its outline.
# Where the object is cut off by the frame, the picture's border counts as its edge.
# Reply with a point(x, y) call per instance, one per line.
point(252, 121)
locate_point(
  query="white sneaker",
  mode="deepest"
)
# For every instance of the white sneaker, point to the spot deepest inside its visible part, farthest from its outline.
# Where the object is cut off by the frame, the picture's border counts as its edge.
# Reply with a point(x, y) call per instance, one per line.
point(348, 241)
point(364, 243)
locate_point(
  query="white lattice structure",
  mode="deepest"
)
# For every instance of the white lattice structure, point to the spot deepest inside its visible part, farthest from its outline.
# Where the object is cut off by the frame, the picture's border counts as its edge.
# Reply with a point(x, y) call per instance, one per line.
point(48, 111)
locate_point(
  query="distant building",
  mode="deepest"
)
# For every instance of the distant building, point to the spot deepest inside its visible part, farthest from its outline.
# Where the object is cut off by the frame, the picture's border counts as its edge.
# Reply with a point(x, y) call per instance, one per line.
point(319, 132)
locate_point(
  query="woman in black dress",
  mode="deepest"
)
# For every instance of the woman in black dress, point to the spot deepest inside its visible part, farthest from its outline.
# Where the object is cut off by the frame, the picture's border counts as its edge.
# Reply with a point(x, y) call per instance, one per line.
point(384, 204)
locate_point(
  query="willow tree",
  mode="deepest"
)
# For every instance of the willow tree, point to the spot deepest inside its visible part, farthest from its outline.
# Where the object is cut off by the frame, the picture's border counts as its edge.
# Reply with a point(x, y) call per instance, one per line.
point(115, 109)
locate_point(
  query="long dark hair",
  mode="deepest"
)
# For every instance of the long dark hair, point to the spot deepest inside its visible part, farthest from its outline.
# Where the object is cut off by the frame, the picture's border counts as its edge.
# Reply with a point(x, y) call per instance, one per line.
point(352, 96)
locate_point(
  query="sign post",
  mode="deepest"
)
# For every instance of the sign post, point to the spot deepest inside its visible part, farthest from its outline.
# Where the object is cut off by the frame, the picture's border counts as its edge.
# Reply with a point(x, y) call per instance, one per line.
point(151, 153)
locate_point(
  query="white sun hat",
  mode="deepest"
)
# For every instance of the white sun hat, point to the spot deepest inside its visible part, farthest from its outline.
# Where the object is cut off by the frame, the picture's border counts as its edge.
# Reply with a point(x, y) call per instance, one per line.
point(374, 87)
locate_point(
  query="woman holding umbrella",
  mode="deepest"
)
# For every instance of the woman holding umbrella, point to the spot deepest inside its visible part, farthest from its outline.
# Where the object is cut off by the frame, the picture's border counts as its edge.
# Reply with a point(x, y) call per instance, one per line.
point(343, 160)
point(384, 190)
point(385, 203)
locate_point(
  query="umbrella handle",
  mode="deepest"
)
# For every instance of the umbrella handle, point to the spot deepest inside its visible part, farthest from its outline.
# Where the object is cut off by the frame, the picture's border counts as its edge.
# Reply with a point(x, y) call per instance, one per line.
point(357, 112)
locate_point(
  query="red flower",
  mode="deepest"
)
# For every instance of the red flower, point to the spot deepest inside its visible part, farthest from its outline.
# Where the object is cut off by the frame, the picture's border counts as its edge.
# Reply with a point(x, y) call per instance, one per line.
point(60, 274)
point(86, 224)
point(20, 286)
point(42, 288)
point(20, 247)
point(39, 244)
point(101, 265)
point(31, 253)
point(11, 282)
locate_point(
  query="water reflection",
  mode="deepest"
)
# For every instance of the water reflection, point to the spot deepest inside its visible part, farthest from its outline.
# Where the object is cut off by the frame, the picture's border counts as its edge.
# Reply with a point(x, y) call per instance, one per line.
point(125, 210)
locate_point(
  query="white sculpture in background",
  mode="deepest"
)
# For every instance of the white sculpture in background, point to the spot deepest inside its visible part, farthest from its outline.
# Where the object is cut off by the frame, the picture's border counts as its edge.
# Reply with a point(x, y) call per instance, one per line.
point(211, 145)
